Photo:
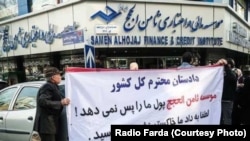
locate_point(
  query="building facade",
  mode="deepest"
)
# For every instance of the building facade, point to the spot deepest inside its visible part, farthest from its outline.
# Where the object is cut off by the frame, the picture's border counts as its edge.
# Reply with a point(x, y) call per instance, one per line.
point(154, 34)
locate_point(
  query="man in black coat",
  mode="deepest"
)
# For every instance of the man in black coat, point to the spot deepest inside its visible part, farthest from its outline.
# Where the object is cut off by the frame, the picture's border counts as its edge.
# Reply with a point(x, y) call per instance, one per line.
point(229, 90)
point(244, 101)
point(49, 106)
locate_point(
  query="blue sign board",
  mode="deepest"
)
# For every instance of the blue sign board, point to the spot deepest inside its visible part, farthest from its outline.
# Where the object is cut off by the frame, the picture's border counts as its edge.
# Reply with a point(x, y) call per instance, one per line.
point(72, 37)
point(113, 14)
point(89, 56)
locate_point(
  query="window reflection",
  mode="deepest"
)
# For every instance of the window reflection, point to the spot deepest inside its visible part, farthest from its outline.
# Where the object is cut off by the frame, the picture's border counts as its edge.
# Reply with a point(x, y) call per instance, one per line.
point(34, 68)
point(5, 98)
point(26, 98)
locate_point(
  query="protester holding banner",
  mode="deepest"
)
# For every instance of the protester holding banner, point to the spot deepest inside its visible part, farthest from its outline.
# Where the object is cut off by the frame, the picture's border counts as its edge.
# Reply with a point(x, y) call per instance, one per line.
point(49, 106)
point(229, 90)
point(244, 100)
point(236, 119)
point(187, 59)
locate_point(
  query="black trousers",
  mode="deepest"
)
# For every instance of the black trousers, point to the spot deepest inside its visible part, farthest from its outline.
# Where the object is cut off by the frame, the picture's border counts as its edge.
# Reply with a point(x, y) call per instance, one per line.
point(48, 137)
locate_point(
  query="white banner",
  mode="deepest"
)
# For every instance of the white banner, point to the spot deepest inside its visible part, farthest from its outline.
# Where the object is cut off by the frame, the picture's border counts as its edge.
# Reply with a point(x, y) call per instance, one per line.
point(150, 97)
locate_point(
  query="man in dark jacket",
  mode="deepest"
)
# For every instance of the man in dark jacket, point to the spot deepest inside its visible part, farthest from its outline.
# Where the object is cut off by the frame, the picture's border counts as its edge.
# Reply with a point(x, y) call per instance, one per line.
point(49, 105)
point(229, 91)
point(244, 101)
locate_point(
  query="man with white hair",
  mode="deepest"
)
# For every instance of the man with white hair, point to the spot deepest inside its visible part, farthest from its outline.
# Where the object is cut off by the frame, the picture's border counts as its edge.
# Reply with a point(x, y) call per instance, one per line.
point(133, 66)
point(50, 104)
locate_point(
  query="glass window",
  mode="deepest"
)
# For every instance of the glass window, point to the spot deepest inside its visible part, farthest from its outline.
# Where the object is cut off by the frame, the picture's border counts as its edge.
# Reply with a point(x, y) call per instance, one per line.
point(34, 68)
point(26, 98)
point(40, 4)
point(173, 61)
point(5, 98)
point(120, 63)
point(239, 7)
point(240, 10)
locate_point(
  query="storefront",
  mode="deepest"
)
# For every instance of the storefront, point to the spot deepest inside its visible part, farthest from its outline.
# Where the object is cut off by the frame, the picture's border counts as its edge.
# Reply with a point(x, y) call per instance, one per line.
point(155, 34)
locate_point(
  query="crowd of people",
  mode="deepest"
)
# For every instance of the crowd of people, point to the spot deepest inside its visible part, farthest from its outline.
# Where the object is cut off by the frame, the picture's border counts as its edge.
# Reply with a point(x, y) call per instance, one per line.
point(235, 93)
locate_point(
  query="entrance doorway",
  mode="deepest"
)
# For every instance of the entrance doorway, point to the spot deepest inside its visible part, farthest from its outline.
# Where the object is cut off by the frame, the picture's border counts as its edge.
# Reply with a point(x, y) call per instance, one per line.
point(144, 62)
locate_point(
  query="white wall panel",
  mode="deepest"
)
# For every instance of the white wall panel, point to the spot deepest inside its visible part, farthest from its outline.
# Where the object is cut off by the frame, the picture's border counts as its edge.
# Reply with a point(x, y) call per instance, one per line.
point(89, 24)
point(227, 28)
point(4, 53)
point(61, 18)
point(163, 17)
point(220, 13)
point(200, 16)
point(24, 25)
point(81, 17)
point(133, 36)
point(42, 24)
